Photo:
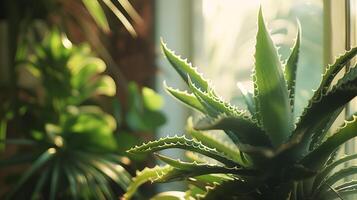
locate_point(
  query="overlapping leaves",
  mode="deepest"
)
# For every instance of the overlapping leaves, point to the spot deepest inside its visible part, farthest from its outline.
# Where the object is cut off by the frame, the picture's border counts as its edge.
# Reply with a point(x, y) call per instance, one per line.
point(290, 159)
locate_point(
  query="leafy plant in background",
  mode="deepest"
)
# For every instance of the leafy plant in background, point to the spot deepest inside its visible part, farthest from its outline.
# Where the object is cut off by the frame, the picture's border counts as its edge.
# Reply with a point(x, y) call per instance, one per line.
point(142, 116)
point(269, 154)
point(89, 18)
point(69, 146)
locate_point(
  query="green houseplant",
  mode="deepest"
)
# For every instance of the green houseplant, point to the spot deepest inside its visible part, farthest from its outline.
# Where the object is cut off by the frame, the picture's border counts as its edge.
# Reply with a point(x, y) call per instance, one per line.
point(70, 149)
point(269, 154)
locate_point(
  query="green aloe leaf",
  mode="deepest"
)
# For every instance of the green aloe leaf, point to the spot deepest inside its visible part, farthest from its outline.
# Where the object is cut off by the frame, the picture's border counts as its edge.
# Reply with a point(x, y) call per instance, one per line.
point(147, 174)
point(271, 92)
point(320, 111)
point(248, 98)
point(333, 179)
point(347, 186)
point(97, 13)
point(291, 68)
point(198, 169)
point(215, 141)
point(329, 168)
point(247, 131)
point(320, 155)
point(233, 188)
point(332, 71)
point(186, 98)
point(212, 104)
point(183, 143)
point(184, 69)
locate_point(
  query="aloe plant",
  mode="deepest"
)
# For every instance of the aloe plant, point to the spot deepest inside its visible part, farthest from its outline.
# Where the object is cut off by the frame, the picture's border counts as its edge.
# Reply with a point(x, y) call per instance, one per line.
point(269, 154)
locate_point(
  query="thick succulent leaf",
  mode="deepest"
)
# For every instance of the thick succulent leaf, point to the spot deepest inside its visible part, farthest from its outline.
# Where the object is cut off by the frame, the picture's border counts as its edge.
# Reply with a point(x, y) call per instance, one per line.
point(291, 68)
point(247, 131)
point(346, 185)
point(248, 98)
point(182, 142)
point(227, 147)
point(333, 70)
point(186, 98)
point(339, 175)
point(44, 158)
point(320, 111)
point(184, 69)
point(211, 179)
point(270, 89)
point(346, 193)
point(197, 169)
point(321, 131)
point(212, 104)
point(319, 156)
point(233, 188)
point(148, 174)
point(97, 13)
point(329, 168)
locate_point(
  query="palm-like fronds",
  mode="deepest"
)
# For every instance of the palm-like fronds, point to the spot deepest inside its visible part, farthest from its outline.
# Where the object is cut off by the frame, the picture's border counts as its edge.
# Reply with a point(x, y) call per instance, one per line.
point(280, 159)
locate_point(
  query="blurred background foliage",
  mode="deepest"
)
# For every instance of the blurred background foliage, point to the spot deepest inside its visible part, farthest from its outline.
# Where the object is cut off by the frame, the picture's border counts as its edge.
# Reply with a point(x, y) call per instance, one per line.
point(64, 128)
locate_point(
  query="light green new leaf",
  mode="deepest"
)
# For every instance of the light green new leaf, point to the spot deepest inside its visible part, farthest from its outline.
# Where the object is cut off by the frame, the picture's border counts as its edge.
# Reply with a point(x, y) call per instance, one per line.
point(97, 13)
point(270, 89)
